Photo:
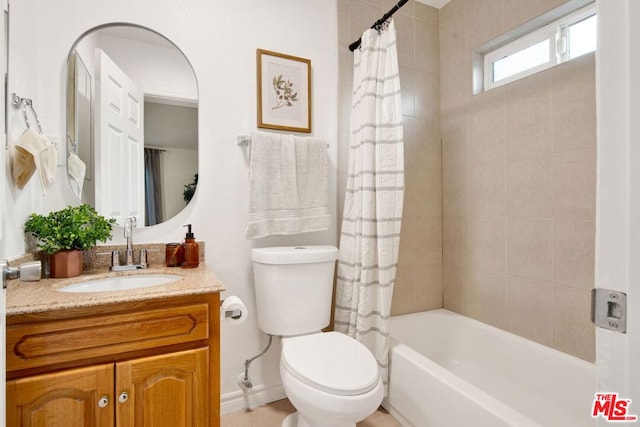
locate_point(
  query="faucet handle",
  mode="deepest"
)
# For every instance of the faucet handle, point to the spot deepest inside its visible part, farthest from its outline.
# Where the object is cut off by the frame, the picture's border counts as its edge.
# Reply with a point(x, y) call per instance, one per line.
point(115, 257)
point(142, 258)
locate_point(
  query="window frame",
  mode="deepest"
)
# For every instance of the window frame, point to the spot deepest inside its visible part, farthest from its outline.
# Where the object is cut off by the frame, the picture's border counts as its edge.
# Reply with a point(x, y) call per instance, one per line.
point(555, 32)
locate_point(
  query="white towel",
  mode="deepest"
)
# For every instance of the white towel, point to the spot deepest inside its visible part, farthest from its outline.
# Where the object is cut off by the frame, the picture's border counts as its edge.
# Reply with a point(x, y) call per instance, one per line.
point(76, 170)
point(288, 185)
point(48, 163)
point(27, 157)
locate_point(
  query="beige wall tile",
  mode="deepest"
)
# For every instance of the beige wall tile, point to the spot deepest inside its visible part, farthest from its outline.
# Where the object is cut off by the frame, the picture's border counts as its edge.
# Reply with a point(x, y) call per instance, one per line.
point(487, 245)
point(451, 10)
point(574, 184)
point(530, 309)
point(455, 240)
point(488, 297)
point(574, 253)
point(455, 141)
point(456, 288)
point(483, 21)
point(573, 331)
point(362, 14)
point(529, 188)
point(455, 90)
point(427, 95)
point(428, 249)
point(574, 104)
point(433, 193)
point(528, 117)
point(429, 295)
point(418, 287)
point(408, 9)
point(488, 189)
point(421, 240)
point(427, 46)
point(423, 192)
point(343, 24)
point(422, 149)
point(529, 243)
point(453, 41)
point(486, 127)
point(405, 40)
point(404, 296)
point(407, 91)
point(426, 13)
point(543, 126)
point(455, 192)
point(517, 12)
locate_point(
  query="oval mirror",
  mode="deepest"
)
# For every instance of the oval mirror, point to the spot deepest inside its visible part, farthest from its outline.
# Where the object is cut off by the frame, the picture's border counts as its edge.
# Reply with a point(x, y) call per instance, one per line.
point(132, 124)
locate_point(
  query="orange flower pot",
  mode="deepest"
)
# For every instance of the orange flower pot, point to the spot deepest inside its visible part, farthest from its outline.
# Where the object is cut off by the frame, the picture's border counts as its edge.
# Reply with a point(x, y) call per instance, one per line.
point(67, 263)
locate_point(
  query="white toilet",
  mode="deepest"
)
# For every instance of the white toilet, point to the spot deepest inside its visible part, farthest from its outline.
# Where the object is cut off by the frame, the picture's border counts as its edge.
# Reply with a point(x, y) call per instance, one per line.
point(331, 379)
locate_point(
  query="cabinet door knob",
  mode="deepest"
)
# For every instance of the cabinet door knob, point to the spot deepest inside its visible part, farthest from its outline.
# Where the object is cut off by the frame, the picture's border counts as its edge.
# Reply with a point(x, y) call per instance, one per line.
point(103, 402)
point(124, 396)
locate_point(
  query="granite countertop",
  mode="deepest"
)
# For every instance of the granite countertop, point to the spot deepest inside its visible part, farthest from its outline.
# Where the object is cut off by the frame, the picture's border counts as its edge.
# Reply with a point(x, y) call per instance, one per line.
point(35, 297)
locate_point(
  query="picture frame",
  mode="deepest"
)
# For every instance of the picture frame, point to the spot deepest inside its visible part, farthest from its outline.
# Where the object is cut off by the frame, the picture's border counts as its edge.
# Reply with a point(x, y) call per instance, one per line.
point(284, 91)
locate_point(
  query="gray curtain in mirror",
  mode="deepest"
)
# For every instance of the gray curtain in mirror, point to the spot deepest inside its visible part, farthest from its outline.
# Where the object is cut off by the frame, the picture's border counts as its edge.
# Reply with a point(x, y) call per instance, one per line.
point(152, 186)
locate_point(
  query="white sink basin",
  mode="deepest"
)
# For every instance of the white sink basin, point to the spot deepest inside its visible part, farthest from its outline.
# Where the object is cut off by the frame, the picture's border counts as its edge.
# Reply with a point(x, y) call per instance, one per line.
point(121, 283)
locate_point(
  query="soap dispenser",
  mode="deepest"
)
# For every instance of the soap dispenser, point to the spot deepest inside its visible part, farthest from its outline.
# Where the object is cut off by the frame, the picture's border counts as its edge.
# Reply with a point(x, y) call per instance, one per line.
point(191, 250)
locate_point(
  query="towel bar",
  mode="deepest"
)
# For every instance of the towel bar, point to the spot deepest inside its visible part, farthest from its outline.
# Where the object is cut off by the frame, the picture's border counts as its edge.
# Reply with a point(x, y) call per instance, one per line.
point(245, 140)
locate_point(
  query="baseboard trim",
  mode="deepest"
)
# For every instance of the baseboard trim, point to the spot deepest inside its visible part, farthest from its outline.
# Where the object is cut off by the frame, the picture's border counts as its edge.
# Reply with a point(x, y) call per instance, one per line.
point(256, 396)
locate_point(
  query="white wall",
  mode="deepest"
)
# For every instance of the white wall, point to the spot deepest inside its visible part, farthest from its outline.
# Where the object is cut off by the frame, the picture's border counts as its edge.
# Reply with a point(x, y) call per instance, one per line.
point(618, 204)
point(220, 39)
point(163, 70)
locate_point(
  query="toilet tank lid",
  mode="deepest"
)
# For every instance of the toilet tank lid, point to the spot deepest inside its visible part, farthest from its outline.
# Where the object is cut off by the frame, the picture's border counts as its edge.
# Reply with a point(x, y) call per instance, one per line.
point(294, 254)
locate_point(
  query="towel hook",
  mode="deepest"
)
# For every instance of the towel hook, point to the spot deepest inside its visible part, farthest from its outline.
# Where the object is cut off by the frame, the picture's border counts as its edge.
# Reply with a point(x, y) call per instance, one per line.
point(18, 102)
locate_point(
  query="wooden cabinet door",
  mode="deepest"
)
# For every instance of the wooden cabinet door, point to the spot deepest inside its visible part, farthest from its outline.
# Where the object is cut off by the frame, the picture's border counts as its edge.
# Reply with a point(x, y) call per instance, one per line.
point(164, 391)
point(62, 399)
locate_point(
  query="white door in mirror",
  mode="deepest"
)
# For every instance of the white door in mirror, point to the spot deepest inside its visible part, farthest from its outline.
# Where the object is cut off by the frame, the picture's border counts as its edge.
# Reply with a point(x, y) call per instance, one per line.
point(119, 142)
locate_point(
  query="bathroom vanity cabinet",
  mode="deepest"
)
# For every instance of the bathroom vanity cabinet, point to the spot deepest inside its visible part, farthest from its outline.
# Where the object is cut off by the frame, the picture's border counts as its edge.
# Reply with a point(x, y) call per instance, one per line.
point(151, 362)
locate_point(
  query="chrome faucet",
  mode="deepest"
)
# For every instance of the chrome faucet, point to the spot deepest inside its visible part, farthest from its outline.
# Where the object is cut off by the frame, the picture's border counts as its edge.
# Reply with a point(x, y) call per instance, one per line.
point(129, 223)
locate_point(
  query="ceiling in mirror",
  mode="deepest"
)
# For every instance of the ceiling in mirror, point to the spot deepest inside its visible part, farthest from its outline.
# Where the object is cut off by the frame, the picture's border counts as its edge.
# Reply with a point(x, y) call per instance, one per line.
point(132, 124)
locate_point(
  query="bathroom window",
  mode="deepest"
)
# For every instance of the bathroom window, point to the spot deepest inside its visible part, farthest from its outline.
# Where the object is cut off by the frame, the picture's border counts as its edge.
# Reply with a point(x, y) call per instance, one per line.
point(560, 41)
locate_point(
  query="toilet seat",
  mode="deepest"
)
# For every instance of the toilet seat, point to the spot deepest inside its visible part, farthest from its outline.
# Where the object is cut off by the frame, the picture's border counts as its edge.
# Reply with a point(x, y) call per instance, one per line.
point(331, 362)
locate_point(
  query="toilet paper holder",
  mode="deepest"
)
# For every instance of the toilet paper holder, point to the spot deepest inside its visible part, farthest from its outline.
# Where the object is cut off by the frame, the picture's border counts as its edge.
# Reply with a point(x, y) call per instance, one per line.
point(234, 314)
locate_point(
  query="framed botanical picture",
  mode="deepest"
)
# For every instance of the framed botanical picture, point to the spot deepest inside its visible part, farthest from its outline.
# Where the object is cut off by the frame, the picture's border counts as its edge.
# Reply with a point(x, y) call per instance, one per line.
point(284, 92)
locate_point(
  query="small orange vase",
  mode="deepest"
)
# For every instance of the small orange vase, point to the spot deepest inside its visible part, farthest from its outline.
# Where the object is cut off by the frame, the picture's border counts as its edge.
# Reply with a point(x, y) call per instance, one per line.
point(67, 263)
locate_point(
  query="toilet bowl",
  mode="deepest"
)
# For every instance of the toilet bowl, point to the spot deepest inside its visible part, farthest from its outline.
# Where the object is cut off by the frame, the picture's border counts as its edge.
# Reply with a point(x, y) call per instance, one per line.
point(331, 379)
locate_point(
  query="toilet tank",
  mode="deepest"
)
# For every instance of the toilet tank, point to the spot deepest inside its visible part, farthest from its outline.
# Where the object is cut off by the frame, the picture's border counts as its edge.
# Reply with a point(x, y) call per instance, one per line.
point(294, 285)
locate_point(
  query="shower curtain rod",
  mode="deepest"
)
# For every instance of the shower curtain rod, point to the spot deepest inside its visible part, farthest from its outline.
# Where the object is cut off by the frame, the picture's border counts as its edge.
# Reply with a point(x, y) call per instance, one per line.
point(356, 44)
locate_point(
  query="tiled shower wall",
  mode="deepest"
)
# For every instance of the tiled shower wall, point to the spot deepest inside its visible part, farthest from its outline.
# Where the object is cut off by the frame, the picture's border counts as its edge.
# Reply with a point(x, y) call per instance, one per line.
point(500, 187)
point(419, 279)
point(519, 175)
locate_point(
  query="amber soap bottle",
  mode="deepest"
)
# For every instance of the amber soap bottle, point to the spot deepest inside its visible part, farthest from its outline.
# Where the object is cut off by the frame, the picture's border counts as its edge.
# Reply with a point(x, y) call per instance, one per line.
point(191, 250)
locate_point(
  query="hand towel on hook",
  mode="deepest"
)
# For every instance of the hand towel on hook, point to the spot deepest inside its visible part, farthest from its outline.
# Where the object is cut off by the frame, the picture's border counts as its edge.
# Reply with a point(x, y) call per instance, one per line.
point(26, 158)
point(48, 163)
point(288, 185)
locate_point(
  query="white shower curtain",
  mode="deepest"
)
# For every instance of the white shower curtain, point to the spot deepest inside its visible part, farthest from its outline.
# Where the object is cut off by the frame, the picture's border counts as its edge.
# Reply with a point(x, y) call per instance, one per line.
point(373, 201)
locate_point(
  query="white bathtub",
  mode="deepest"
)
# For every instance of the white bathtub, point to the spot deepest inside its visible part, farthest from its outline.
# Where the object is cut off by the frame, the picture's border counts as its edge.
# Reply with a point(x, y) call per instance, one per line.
point(448, 370)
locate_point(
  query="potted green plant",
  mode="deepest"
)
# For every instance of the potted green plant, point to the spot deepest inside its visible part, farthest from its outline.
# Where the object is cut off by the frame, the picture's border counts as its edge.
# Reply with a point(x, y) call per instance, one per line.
point(64, 234)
